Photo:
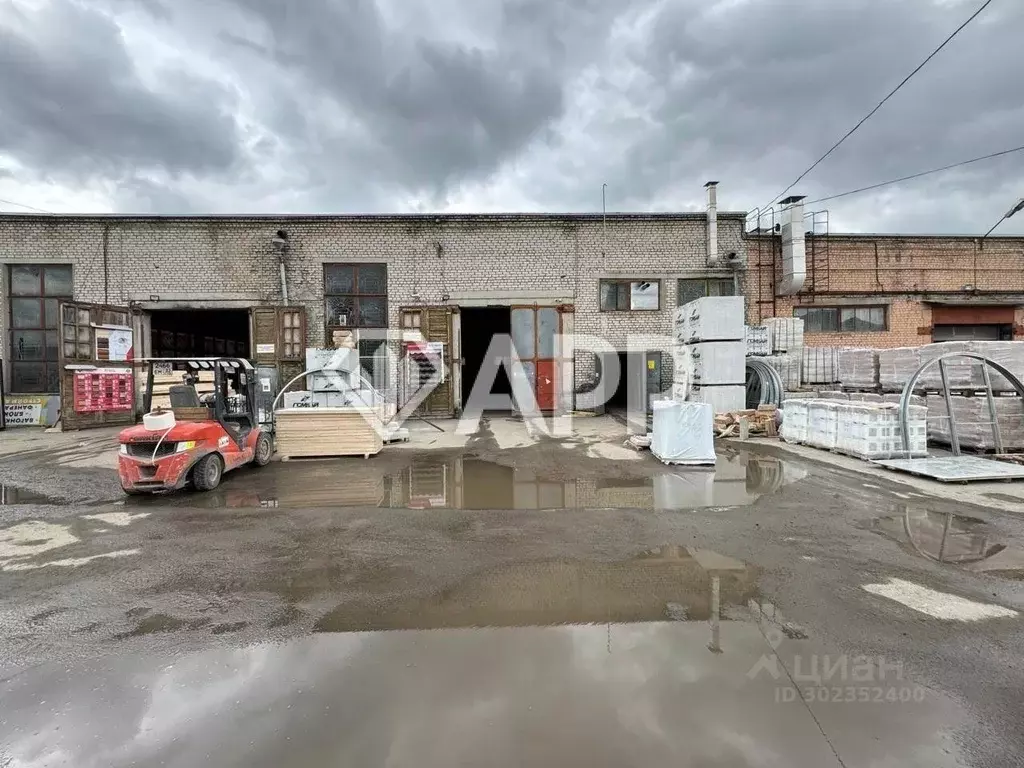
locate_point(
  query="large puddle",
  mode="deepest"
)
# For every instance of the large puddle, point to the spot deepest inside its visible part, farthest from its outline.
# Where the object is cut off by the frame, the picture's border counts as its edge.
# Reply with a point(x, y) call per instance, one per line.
point(951, 539)
point(462, 483)
point(11, 495)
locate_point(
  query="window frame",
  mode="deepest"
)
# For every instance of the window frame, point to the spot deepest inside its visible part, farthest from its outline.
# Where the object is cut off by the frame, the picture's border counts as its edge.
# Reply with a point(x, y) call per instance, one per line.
point(838, 312)
point(355, 295)
point(706, 280)
point(41, 296)
point(628, 282)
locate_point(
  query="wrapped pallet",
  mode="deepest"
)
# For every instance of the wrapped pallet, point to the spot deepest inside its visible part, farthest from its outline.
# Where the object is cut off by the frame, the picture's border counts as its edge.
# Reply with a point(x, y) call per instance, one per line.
point(960, 371)
point(758, 340)
point(683, 433)
point(820, 365)
point(794, 421)
point(788, 367)
point(821, 423)
point(787, 333)
point(1009, 354)
point(974, 424)
point(896, 366)
point(858, 368)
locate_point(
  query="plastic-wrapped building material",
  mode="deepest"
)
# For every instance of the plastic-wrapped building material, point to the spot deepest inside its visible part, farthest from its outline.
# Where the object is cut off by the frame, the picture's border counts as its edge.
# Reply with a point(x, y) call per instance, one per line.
point(858, 368)
point(723, 398)
point(712, 318)
point(788, 367)
point(821, 423)
point(834, 394)
point(872, 431)
point(821, 365)
point(961, 372)
point(683, 433)
point(865, 397)
point(896, 366)
point(787, 333)
point(759, 340)
point(794, 421)
point(717, 362)
point(798, 395)
point(974, 424)
point(894, 397)
point(1009, 354)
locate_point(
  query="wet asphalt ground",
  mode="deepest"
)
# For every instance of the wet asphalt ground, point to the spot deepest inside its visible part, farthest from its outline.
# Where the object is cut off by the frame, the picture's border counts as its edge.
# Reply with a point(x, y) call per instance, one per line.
point(528, 606)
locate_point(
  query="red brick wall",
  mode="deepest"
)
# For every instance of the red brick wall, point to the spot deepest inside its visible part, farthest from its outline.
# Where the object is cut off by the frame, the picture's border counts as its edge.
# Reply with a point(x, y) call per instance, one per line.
point(896, 271)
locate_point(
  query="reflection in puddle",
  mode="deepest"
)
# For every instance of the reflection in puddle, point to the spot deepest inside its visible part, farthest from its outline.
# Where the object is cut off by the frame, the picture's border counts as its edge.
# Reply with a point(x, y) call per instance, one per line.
point(671, 582)
point(952, 539)
point(461, 483)
point(10, 495)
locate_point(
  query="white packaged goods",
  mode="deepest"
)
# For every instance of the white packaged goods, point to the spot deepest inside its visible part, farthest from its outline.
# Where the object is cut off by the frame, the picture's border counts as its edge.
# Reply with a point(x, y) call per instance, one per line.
point(298, 399)
point(343, 365)
point(722, 398)
point(821, 423)
point(834, 394)
point(798, 395)
point(973, 423)
point(683, 433)
point(788, 367)
point(759, 340)
point(821, 365)
point(717, 362)
point(712, 318)
point(966, 373)
point(865, 397)
point(858, 368)
point(787, 333)
point(959, 370)
point(896, 366)
point(794, 421)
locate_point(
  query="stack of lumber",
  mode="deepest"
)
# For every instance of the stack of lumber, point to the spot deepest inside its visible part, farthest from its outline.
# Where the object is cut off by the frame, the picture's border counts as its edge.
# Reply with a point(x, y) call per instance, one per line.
point(759, 422)
point(328, 432)
point(163, 382)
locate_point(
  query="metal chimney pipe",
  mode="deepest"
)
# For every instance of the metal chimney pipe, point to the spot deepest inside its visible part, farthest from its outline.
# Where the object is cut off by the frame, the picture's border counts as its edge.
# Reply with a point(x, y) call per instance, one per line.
point(712, 188)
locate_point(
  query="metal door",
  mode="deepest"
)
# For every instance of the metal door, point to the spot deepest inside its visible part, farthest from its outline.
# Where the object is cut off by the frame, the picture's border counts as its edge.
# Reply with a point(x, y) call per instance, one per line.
point(535, 332)
point(636, 393)
point(279, 340)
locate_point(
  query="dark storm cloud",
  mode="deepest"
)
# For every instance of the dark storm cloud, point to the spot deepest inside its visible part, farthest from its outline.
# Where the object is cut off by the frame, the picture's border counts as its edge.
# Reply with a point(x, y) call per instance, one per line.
point(73, 103)
point(377, 105)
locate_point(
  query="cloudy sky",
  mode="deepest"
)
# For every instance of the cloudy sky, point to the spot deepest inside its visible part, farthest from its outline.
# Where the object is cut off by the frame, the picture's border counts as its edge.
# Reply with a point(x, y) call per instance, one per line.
point(184, 106)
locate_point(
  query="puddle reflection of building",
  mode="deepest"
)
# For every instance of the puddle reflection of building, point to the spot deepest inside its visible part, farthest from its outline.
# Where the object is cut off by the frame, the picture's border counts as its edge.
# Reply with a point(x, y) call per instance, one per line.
point(941, 536)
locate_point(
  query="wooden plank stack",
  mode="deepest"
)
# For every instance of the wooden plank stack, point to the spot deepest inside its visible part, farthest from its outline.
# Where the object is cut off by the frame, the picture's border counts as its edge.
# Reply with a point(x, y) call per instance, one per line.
point(306, 432)
point(760, 422)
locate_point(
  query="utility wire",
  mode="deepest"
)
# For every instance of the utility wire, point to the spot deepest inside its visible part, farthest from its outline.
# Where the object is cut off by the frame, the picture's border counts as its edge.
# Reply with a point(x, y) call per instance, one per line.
point(22, 205)
point(916, 175)
point(868, 116)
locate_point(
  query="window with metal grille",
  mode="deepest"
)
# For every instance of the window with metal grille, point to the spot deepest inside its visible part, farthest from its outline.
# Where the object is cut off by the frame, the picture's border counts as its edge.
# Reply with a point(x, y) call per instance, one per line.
point(691, 288)
point(843, 319)
point(356, 295)
point(34, 298)
point(630, 295)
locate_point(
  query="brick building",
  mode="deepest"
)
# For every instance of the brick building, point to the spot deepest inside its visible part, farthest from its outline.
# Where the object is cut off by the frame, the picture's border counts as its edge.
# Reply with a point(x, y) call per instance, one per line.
point(266, 287)
point(867, 290)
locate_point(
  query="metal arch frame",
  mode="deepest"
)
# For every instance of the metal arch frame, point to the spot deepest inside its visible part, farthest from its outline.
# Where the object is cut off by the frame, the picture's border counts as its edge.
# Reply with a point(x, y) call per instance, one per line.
point(908, 390)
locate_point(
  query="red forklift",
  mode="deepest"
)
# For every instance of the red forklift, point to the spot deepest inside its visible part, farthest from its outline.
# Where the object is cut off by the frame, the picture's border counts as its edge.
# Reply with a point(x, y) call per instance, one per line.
point(199, 437)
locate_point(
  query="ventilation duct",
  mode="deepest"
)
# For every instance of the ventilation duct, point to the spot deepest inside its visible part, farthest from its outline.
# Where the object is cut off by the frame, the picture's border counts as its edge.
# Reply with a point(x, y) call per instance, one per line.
point(794, 249)
point(712, 188)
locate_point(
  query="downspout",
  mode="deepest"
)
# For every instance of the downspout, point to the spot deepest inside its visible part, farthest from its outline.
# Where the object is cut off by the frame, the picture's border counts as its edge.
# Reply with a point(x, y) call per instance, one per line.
point(284, 283)
point(712, 188)
point(281, 246)
point(106, 264)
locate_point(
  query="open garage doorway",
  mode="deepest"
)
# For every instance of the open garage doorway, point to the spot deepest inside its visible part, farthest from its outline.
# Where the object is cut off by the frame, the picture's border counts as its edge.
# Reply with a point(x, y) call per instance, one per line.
point(199, 333)
point(479, 325)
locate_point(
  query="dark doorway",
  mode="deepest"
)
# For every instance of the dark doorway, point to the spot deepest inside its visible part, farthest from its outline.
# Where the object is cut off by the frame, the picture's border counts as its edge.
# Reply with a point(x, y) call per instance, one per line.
point(200, 333)
point(479, 325)
point(991, 332)
point(618, 398)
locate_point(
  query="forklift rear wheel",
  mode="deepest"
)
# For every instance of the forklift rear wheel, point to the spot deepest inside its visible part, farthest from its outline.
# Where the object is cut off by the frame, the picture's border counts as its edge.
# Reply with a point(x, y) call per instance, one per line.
point(207, 472)
point(264, 450)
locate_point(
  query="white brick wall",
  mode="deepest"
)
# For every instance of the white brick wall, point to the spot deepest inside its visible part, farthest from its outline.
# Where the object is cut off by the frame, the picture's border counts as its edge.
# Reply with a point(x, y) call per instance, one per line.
point(231, 259)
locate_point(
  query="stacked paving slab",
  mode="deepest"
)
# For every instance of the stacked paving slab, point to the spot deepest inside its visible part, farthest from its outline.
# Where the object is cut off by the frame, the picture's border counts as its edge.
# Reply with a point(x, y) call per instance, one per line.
point(787, 341)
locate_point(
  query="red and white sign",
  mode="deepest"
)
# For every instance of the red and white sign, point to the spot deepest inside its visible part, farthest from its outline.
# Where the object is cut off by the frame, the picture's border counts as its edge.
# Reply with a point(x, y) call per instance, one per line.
point(103, 390)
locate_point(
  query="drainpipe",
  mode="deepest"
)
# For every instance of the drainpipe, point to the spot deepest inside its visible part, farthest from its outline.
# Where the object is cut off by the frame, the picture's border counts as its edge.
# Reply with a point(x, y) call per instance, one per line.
point(712, 188)
point(281, 246)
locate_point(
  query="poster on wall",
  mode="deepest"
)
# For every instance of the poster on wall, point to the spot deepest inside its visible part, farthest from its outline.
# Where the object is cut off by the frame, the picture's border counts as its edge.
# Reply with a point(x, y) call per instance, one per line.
point(114, 344)
point(31, 410)
point(103, 390)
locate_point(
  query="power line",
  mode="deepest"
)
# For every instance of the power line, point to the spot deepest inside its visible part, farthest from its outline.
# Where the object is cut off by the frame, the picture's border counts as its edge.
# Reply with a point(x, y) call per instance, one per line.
point(878, 106)
point(22, 205)
point(916, 175)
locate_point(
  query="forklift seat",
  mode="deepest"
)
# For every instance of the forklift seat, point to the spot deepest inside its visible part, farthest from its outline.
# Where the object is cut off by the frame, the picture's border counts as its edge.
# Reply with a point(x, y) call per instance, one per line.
point(184, 396)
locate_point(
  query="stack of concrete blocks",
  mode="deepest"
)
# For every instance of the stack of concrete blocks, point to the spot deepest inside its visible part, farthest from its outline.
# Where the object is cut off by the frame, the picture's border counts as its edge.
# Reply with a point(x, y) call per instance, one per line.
point(974, 424)
point(858, 368)
point(965, 372)
point(820, 365)
point(710, 343)
point(758, 340)
point(821, 423)
point(896, 366)
point(834, 394)
point(794, 421)
point(787, 334)
point(788, 368)
point(872, 431)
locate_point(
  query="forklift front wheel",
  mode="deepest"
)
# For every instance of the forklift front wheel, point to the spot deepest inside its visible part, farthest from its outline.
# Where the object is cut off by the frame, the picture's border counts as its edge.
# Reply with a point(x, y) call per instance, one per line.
point(264, 450)
point(207, 472)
